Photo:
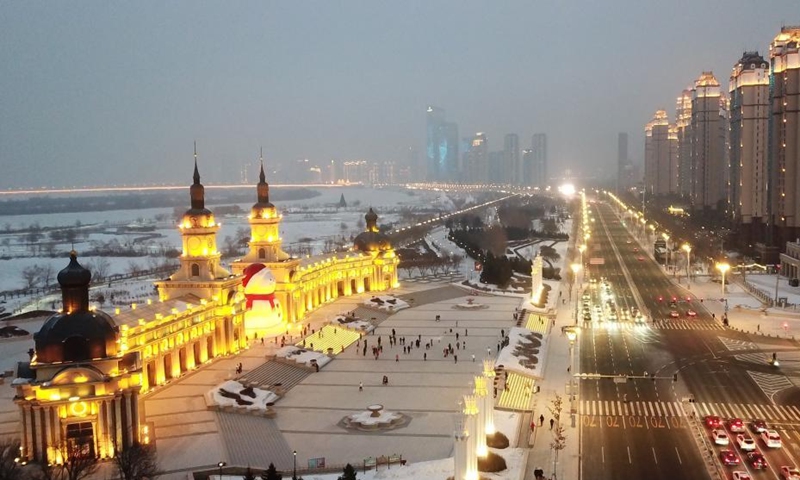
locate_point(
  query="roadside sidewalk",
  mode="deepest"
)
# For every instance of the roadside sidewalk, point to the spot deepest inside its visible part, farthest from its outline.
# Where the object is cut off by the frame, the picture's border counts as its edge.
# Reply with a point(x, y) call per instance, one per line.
point(555, 382)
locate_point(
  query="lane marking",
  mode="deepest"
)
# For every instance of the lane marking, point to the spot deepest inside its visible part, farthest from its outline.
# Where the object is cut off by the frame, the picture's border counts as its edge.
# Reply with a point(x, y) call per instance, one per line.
point(630, 460)
point(654, 455)
point(679, 456)
point(603, 453)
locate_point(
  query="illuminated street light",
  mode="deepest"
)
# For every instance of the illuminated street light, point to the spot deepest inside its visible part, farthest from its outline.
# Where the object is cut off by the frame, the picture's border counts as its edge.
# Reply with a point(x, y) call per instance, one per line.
point(688, 249)
point(723, 267)
point(220, 465)
point(572, 335)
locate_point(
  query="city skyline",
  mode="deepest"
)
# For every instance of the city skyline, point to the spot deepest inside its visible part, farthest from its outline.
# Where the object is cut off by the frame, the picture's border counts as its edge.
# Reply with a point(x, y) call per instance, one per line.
point(105, 95)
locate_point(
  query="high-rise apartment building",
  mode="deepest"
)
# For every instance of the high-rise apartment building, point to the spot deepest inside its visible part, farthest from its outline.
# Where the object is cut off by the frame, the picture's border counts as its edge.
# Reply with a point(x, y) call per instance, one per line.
point(709, 144)
point(784, 130)
point(683, 132)
point(511, 160)
point(496, 171)
point(660, 156)
point(442, 146)
point(539, 158)
point(749, 124)
point(476, 160)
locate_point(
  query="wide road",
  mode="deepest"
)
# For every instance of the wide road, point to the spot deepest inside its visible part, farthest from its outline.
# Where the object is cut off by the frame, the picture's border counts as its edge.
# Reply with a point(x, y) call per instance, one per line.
point(644, 427)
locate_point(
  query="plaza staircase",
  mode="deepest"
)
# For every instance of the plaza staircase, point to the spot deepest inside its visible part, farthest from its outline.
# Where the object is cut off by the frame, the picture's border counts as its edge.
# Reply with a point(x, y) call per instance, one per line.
point(278, 377)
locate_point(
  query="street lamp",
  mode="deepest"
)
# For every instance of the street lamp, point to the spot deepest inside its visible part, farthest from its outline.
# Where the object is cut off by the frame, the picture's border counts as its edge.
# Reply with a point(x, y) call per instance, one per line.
point(688, 249)
point(669, 251)
point(572, 335)
point(723, 267)
point(220, 465)
point(294, 467)
point(582, 249)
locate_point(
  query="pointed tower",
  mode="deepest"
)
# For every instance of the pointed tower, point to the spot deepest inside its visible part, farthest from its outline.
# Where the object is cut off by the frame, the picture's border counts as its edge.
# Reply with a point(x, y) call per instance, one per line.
point(200, 273)
point(265, 239)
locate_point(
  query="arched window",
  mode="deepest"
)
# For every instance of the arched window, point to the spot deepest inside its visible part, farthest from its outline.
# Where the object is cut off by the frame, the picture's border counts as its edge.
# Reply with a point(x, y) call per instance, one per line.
point(195, 270)
point(262, 253)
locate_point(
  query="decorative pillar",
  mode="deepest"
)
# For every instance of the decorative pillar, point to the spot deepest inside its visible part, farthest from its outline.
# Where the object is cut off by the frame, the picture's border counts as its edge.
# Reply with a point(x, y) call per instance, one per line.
point(27, 447)
point(471, 423)
point(489, 374)
point(118, 422)
point(480, 400)
point(39, 450)
point(110, 426)
point(48, 433)
point(461, 439)
point(129, 423)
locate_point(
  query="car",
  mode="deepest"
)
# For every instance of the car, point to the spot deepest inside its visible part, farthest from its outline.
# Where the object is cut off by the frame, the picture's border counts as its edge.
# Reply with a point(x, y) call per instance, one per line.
point(640, 258)
point(757, 460)
point(628, 242)
point(790, 473)
point(691, 313)
point(720, 437)
point(587, 317)
point(660, 298)
point(745, 443)
point(728, 457)
point(635, 249)
point(674, 314)
point(758, 426)
point(736, 425)
point(739, 475)
point(771, 438)
point(713, 421)
point(673, 304)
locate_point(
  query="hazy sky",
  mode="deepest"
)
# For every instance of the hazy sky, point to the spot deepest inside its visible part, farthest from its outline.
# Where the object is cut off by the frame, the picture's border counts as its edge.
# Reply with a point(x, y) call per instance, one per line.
point(99, 93)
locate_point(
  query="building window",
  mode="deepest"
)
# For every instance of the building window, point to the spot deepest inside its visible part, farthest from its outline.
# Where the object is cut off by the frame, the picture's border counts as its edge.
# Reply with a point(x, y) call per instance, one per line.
point(262, 254)
point(195, 270)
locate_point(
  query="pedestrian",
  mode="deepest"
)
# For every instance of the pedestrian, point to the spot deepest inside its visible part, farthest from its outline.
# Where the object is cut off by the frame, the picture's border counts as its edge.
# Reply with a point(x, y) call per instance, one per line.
point(458, 345)
point(473, 358)
point(393, 332)
point(532, 425)
point(455, 358)
point(419, 339)
point(466, 332)
point(425, 357)
point(262, 341)
point(552, 422)
point(502, 333)
point(397, 358)
point(568, 368)
point(758, 327)
point(456, 335)
point(541, 420)
point(360, 386)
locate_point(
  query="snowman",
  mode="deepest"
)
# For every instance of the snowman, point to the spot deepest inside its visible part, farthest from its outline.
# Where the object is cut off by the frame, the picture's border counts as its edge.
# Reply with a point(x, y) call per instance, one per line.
point(263, 314)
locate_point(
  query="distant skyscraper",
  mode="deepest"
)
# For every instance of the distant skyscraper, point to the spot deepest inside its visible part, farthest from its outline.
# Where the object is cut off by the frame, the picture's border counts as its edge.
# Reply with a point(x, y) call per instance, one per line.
point(539, 158)
point(496, 171)
point(476, 160)
point(683, 127)
point(660, 152)
point(749, 123)
point(622, 161)
point(511, 161)
point(784, 147)
point(442, 146)
point(709, 152)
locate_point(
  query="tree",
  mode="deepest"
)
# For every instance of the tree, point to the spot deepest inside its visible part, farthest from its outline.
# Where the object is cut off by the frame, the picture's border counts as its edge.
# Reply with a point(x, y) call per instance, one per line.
point(349, 473)
point(271, 473)
point(138, 462)
point(9, 460)
point(248, 474)
point(134, 268)
point(46, 274)
point(31, 275)
point(77, 462)
point(342, 202)
point(559, 438)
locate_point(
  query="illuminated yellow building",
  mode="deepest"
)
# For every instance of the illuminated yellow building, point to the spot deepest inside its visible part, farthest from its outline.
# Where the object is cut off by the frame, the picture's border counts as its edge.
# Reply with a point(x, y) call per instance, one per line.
point(303, 284)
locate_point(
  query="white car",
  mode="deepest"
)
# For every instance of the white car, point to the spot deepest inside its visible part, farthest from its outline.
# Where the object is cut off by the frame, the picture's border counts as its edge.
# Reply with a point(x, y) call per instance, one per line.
point(745, 443)
point(720, 437)
point(790, 473)
point(771, 438)
point(741, 476)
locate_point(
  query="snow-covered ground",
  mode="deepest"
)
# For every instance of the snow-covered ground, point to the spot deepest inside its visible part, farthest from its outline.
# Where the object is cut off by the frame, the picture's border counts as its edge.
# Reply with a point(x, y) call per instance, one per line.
point(388, 303)
point(258, 402)
point(522, 355)
point(303, 356)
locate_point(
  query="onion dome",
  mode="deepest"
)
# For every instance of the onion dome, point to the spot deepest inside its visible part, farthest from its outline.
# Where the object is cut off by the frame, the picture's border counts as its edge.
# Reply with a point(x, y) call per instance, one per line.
point(76, 334)
point(262, 206)
point(372, 240)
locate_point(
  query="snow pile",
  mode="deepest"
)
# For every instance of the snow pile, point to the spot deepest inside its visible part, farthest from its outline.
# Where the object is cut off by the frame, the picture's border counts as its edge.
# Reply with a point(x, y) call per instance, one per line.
point(303, 356)
point(387, 303)
point(234, 394)
point(366, 418)
point(524, 352)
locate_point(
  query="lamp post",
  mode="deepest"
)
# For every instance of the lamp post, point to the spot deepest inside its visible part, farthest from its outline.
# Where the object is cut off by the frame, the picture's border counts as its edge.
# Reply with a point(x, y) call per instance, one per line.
point(576, 268)
point(688, 249)
point(294, 465)
point(582, 249)
point(723, 267)
point(220, 465)
point(669, 251)
point(572, 334)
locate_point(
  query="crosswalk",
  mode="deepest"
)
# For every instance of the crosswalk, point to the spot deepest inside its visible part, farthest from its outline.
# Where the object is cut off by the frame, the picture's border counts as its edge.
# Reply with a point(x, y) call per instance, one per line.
point(735, 345)
point(770, 383)
point(639, 327)
point(677, 409)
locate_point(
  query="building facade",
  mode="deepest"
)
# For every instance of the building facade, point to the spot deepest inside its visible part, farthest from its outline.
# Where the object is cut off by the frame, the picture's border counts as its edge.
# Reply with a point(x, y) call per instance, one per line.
point(539, 159)
point(749, 124)
point(512, 167)
point(660, 154)
point(476, 160)
point(442, 147)
point(683, 133)
point(709, 145)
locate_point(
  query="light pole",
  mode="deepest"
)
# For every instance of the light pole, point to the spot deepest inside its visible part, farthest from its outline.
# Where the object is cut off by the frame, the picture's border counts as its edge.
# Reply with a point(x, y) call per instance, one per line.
point(582, 249)
point(723, 267)
point(220, 465)
point(572, 334)
point(294, 465)
point(669, 251)
point(576, 268)
point(688, 249)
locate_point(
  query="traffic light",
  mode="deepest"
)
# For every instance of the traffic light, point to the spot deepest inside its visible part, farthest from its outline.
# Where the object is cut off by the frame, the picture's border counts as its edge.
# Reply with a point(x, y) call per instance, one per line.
point(674, 377)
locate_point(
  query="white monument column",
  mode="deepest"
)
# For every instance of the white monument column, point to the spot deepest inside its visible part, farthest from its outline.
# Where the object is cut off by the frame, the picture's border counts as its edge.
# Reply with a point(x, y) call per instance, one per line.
point(537, 288)
point(461, 439)
point(471, 423)
point(488, 373)
point(480, 399)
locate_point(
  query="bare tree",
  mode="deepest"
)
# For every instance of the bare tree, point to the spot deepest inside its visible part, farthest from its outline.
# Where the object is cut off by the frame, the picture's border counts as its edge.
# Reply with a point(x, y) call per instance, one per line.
point(46, 274)
point(134, 268)
point(137, 462)
point(9, 460)
point(101, 268)
point(559, 438)
point(31, 275)
point(77, 464)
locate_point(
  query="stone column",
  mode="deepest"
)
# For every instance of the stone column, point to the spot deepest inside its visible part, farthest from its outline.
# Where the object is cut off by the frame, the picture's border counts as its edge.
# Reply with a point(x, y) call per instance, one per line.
point(47, 430)
point(27, 447)
point(489, 374)
point(480, 400)
point(461, 439)
point(118, 422)
point(111, 437)
point(129, 423)
point(471, 423)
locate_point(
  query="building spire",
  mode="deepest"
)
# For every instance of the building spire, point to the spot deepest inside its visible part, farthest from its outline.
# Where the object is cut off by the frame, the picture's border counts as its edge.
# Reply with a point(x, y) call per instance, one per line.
point(196, 191)
point(261, 177)
point(196, 171)
point(263, 187)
